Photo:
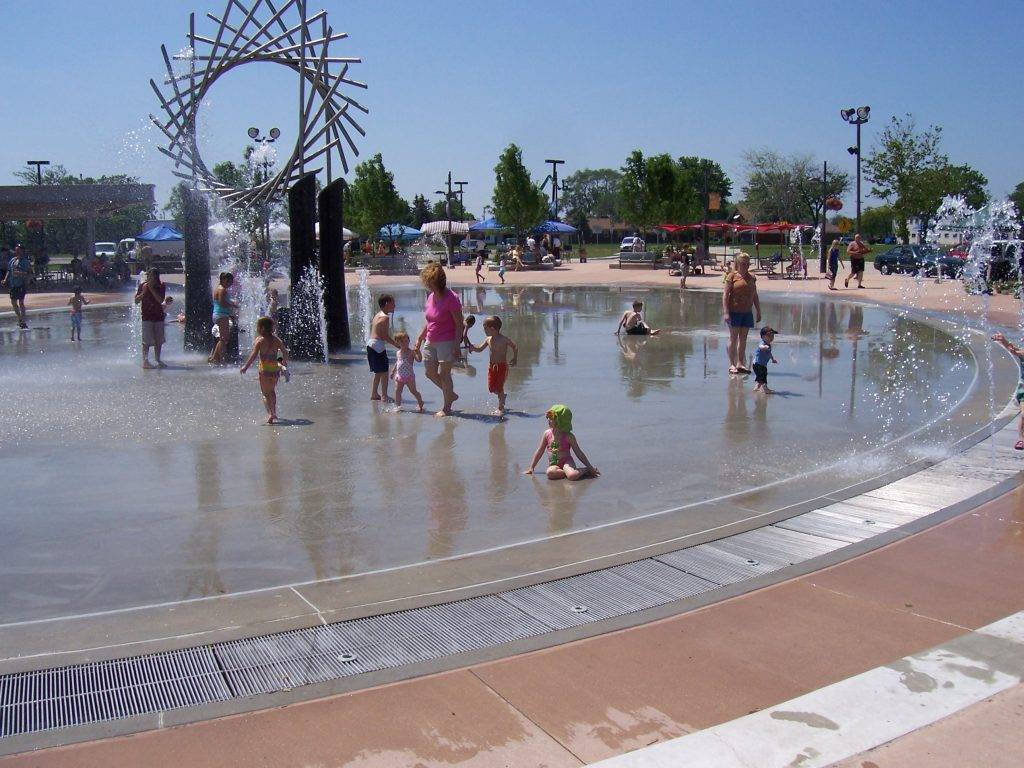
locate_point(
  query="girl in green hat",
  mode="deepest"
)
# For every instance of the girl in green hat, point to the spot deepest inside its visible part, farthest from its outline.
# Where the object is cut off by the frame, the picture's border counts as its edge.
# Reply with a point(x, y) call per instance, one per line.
point(560, 443)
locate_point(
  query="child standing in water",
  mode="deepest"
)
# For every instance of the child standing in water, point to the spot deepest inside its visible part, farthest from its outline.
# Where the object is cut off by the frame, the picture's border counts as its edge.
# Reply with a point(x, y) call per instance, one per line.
point(403, 373)
point(376, 347)
point(1018, 353)
point(761, 358)
point(560, 443)
point(272, 355)
point(498, 364)
point(77, 302)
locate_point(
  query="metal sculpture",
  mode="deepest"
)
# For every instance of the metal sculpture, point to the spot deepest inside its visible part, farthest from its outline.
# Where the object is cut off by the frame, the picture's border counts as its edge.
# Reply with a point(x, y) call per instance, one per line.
point(262, 33)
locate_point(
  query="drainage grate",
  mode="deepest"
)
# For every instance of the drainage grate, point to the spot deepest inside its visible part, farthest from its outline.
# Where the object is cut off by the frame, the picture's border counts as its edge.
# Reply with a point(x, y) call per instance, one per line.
point(717, 566)
point(109, 690)
point(775, 545)
point(833, 525)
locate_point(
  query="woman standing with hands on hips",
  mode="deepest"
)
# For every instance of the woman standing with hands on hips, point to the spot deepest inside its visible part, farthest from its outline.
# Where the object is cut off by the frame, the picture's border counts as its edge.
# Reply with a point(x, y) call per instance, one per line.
point(741, 310)
point(442, 332)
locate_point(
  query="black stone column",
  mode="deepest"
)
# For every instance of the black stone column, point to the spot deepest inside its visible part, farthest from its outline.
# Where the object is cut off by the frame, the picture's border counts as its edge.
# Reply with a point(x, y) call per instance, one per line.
point(332, 265)
point(302, 221)
point(303, 339)
point(198, 294)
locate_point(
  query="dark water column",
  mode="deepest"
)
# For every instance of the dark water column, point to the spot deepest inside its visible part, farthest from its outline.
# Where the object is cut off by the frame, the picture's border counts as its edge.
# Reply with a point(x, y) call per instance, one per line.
point(198, 294)
point(302, 341)
point(332, 265)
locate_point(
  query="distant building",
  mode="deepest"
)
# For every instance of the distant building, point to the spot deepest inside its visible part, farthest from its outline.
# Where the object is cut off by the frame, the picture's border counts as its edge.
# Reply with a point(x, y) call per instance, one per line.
point(605, 229)
point(945, 237)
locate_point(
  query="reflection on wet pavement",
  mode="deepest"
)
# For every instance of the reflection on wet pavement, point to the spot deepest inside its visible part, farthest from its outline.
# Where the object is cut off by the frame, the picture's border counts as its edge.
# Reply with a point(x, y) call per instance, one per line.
point(126, 487)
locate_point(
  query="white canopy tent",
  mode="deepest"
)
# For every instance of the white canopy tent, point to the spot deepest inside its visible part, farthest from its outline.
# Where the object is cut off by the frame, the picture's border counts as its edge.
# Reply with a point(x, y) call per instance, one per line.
point(442, 227)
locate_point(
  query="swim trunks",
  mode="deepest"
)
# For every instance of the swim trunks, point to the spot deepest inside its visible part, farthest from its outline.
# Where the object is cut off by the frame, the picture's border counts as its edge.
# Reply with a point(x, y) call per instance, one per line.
point(378, 360)
point(741, 319)
point(497, 373)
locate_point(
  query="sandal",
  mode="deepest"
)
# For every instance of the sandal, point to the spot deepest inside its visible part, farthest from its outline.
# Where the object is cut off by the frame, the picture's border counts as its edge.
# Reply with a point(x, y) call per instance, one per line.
point(1019, 446)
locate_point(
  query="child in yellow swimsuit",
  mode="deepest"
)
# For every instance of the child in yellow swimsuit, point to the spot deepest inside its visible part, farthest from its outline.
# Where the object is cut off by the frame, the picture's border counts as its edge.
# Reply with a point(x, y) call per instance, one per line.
point(273, 357)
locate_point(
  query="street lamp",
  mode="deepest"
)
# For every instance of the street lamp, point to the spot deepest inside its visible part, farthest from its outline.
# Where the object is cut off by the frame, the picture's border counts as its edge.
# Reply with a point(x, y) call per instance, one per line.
point(274, 135)
point(39, 181)
point(856, 117)
point(554, 185)
point(448, 215)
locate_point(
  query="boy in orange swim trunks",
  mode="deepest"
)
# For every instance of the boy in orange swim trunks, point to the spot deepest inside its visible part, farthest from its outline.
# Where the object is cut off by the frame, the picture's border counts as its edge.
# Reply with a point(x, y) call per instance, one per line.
point(498, 365)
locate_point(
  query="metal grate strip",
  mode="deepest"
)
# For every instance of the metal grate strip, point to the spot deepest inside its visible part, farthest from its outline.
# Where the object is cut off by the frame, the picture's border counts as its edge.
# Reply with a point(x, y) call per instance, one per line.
point(717, 566)
point(109, 690)
point(775, 545)
point(833, 525)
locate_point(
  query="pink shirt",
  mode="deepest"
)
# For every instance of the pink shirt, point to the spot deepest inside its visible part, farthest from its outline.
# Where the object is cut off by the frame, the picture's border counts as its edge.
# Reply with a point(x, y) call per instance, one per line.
point(440, 322)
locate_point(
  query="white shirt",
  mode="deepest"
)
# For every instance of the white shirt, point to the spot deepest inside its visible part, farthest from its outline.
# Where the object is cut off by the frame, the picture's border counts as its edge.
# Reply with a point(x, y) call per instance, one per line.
point(556, 243)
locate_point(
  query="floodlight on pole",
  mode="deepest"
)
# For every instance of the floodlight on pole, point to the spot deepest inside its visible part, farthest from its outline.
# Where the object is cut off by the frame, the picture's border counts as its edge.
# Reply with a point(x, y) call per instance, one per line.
point(856, 116)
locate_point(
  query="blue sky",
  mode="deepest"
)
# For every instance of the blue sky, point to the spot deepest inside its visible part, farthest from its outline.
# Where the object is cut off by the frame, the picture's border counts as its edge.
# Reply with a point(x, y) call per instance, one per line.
point(452, 83)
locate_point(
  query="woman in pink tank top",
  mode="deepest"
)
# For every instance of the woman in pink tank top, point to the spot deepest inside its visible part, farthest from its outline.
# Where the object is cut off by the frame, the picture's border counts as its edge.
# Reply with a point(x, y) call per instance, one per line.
point(442, 332)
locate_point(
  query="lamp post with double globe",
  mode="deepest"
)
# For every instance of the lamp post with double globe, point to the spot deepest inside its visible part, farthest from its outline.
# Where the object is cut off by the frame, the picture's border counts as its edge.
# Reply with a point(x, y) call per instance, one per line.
point(856, 117)
point(265, 161)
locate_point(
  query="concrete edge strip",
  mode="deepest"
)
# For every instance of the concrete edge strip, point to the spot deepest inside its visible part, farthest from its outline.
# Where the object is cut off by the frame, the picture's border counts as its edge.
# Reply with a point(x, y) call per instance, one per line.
point(857, 714)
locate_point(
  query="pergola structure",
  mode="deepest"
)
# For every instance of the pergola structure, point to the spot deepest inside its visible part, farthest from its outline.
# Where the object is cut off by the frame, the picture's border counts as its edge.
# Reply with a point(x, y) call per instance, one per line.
point(73, 201)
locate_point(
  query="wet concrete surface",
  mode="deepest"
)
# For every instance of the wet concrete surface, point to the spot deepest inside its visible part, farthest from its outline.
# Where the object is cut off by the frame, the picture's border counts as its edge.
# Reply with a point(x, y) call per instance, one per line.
point(127, 487)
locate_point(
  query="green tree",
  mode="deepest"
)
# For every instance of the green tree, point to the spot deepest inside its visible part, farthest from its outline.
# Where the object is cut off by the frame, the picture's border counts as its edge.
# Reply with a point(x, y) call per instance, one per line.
point(654, 190)
point(591, 192)
point(373, 199)
point(693, 170)
point(788, 187)
point(419, 213)
point(518, 202)
point(931, 185)
point(1017, 198)
point(894, 166)
point(876, 223)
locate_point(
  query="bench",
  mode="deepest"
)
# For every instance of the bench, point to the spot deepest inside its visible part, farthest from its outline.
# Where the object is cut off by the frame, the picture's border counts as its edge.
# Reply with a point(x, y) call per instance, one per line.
point(638, 260)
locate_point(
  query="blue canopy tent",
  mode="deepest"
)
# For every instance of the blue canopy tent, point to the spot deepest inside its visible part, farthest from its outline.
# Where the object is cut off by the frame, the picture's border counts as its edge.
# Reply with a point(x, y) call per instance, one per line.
point(555, 227)
point(399, 232)
point(487, 225)
point(160, 234)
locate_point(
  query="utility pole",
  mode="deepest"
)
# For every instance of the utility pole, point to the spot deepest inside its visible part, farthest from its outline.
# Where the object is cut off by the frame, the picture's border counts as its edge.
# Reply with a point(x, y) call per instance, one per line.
point(39, 169)
point(461, 185)
point(448, 215)
point(554, 185)
point(707, 203)
point(824, 214)
point(39, 182)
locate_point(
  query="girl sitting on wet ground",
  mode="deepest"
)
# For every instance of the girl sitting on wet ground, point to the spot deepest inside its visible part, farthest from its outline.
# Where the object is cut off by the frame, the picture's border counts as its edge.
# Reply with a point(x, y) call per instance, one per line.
point(273, 357)
point(560, 443)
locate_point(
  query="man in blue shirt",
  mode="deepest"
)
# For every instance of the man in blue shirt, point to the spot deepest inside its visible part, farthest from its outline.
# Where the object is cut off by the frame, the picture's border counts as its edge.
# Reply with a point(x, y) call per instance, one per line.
point(19, 271)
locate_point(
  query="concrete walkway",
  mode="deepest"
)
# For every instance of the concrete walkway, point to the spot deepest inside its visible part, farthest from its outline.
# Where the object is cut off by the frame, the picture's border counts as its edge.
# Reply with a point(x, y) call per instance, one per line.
point(599, 698)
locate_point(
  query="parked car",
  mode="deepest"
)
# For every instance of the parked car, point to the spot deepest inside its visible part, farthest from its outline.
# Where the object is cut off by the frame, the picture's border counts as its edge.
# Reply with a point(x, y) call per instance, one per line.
point(470, 245)
point(126, 248)
point(627, 242)
point(106, 249)
point(918, 259)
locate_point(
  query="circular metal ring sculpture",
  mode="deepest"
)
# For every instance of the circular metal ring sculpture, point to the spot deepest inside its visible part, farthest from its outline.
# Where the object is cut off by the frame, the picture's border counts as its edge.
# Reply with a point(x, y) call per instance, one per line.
point(262, 33)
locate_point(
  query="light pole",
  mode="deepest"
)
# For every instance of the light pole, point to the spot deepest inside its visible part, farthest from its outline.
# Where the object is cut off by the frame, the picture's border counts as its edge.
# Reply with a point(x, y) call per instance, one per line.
point(448, 215)
point(39, 182)
point(856, 117)
point(554, 185)
point(274, 135)
point(462, 206)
